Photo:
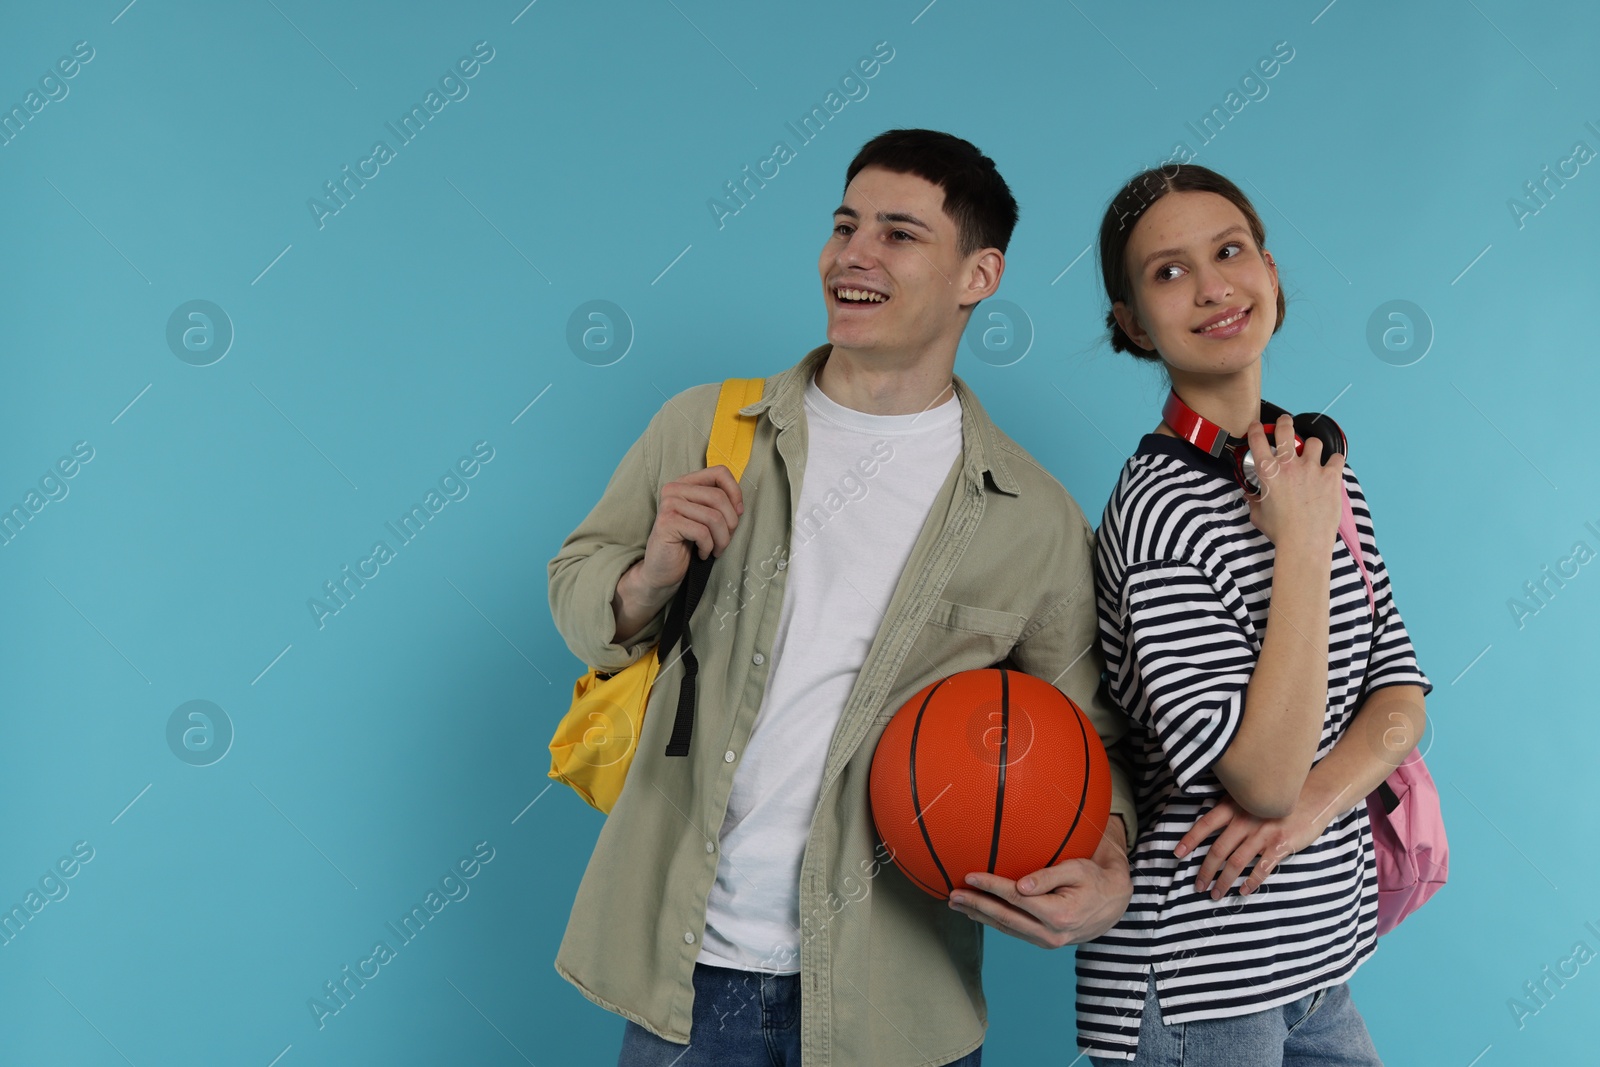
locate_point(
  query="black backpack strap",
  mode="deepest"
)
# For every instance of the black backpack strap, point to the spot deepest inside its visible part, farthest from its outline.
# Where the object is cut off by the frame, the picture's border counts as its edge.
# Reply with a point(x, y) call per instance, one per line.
point(676, 628)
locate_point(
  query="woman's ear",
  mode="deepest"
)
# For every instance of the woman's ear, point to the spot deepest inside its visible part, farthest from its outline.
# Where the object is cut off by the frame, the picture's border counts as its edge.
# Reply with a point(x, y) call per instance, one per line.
point(1129, 321)
point(1272, 269)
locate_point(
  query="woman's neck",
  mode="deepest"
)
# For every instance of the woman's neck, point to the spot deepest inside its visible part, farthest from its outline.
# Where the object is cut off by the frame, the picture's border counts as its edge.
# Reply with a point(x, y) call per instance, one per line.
point(1232, 401)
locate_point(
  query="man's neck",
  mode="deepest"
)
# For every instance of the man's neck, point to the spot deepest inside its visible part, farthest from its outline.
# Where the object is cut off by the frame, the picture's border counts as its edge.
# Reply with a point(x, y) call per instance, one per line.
point(884, 384)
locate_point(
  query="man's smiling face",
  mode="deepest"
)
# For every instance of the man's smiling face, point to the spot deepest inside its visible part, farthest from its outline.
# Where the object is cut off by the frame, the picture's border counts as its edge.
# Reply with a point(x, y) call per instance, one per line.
point(892, 276)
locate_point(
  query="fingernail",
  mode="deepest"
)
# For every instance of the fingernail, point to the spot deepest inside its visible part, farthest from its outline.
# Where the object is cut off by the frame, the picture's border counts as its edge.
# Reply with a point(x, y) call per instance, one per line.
point(1026, 885)
point(1181, 851)
point(954, 901)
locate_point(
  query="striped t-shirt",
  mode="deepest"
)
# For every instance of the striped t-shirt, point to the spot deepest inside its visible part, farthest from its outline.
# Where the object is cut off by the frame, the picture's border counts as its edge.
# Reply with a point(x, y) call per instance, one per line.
point(1184, 580)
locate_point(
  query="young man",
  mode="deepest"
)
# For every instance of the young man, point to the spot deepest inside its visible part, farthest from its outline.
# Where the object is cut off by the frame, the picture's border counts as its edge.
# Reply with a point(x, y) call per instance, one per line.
point(885, 534)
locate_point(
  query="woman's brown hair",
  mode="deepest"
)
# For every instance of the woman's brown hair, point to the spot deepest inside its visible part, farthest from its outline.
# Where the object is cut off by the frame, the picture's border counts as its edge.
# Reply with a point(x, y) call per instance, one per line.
point(1124, 212)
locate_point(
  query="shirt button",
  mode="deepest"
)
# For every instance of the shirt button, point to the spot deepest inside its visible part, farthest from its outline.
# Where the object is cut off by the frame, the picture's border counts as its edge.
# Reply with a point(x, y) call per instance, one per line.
point(710, 847)
point(783, 564)
point(727, 757)
point(758, 659)
point(688, 937)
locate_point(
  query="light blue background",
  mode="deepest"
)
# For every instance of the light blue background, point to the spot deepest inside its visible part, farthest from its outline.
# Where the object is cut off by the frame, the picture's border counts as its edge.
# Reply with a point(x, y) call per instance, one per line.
point(429, 314)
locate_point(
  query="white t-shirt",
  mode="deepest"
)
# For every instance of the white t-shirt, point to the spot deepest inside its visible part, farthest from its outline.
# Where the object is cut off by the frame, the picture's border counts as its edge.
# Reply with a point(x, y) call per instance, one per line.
point(869, 483)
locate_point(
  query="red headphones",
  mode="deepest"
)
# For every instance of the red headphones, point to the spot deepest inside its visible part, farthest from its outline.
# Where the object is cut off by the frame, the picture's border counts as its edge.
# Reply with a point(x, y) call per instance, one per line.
point(1214, 440)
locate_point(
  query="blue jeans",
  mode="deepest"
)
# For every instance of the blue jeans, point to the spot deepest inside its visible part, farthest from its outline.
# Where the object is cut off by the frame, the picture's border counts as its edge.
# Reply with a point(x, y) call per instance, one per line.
point(741, 1019)
point(1321, 1029)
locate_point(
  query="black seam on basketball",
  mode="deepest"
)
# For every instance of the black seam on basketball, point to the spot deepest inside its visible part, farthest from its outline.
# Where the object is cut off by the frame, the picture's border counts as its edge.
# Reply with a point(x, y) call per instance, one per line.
point(916, 804)
point(1000, 784)
point(1082, 797)
point(920, 884)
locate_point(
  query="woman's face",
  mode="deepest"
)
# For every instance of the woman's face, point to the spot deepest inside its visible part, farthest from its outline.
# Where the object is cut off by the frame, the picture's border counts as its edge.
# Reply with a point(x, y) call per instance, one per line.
point(1204, 295)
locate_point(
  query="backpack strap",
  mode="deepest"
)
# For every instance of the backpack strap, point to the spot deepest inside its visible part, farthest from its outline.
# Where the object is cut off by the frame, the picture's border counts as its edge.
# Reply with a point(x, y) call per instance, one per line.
point(1347, 531)
point(688, 597)
point(732, 437)
point(733, 434)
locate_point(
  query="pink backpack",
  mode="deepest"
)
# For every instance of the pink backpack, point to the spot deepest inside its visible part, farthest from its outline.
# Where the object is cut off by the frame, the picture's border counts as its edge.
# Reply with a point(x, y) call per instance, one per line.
point(1407, 824)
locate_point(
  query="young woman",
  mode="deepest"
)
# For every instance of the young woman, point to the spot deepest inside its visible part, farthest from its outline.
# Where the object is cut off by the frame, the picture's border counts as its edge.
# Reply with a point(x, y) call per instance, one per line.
point(1269, 696)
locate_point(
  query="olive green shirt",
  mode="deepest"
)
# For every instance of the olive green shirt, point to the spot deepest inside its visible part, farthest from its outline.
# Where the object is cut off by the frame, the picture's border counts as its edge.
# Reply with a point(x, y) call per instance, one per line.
point(1001, 570)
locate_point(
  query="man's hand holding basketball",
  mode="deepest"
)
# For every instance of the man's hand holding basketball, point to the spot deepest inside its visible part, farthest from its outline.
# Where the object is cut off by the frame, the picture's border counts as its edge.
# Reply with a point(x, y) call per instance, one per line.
point(701, 510)
point(1067, 904)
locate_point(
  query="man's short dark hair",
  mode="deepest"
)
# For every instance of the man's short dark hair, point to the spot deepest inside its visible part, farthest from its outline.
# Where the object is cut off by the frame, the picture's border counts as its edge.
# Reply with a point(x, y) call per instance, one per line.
point(975, 196)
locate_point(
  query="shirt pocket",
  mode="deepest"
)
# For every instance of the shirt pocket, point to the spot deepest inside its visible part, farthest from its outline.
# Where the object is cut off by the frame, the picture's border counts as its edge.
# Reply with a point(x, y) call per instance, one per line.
point(957, 637)
point(970, 619)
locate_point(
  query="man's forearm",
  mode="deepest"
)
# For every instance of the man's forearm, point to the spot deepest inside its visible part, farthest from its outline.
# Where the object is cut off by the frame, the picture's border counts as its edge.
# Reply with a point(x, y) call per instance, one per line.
point(634, 604)
point(1117, 834)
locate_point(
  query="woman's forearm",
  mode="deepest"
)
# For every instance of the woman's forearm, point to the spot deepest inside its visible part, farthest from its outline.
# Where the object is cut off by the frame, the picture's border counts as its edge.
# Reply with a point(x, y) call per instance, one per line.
point(1266, 764)
point(1380, 737)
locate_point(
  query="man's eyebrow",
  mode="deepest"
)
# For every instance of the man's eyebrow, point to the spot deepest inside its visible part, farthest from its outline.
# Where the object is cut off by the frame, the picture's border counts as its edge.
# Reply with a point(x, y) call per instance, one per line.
point(901, 216)
point(1163, 253)
point(884, 216)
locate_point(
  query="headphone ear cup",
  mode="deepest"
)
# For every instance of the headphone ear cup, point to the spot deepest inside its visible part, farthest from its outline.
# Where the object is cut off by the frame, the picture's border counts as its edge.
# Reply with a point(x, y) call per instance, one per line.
point(1244, 467)
point(1323, 429)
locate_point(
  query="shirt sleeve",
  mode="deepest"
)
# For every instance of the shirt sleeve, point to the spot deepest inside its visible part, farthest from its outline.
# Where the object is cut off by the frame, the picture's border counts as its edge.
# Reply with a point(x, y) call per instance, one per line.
point(584, 573)
point(1064, 647)
point(1393, 659)
point(1189, 659)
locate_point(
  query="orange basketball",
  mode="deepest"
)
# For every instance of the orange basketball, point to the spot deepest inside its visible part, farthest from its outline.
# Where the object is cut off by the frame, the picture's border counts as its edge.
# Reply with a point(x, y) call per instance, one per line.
point(988, 770)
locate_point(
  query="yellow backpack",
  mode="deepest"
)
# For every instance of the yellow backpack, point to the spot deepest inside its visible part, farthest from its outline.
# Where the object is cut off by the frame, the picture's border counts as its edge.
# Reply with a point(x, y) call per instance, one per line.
point(597, 738)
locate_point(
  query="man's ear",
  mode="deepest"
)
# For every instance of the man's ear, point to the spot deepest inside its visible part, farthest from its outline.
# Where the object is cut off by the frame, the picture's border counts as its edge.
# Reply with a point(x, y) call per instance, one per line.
point(983, 276)
point(1129, 321)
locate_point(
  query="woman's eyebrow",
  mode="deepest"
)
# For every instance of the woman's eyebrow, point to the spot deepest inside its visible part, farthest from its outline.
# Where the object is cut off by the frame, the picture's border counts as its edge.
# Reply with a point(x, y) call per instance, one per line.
point(1235, 228)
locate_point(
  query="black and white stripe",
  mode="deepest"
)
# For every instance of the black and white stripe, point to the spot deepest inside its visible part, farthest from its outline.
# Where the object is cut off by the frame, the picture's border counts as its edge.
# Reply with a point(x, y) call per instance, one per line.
point(1184, 580)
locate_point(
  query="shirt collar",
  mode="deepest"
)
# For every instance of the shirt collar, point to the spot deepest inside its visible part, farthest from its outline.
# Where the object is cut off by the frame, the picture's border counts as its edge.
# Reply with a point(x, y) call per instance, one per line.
point(783, 399)
point(1159, 444)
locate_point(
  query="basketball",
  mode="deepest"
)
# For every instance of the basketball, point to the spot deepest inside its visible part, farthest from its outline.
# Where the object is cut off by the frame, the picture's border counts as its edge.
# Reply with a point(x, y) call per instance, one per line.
point(988, 770)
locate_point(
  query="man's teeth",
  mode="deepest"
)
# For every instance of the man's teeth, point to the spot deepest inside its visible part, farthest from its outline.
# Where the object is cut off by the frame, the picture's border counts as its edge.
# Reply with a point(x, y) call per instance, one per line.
point(1229, 321)
point(860, 294)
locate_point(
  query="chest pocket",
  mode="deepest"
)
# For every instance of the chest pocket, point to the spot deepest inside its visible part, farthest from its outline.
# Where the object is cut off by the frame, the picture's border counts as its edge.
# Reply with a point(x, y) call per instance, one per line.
point(957, 637)
point(952, 616)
